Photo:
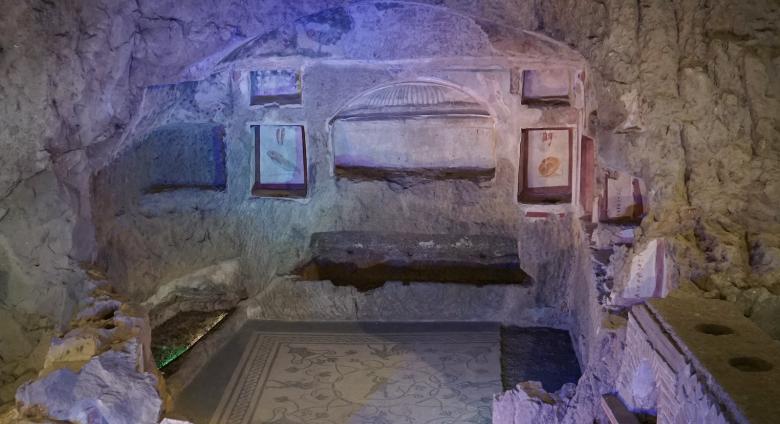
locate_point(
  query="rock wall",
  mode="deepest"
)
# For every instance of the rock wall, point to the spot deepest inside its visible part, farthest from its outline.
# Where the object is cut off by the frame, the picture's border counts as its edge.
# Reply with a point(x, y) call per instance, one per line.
point(687, 100)
point(685, 91)
point(71, 76)
point(149, 237)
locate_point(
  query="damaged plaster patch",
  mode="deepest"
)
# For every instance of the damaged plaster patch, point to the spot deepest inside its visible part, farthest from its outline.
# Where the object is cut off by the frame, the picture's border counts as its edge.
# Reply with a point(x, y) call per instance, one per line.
point(328, 26)
point(633, 122)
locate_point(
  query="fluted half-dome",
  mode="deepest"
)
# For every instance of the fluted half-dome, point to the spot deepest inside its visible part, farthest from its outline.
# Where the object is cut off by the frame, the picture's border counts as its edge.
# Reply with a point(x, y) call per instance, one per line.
point(410, 99)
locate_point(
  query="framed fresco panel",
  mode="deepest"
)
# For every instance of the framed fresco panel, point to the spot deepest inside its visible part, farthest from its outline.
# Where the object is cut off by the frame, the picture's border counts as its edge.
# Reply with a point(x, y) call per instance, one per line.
point(280, 86)
point(546, 161)
point(623, 200)
point(280, 161)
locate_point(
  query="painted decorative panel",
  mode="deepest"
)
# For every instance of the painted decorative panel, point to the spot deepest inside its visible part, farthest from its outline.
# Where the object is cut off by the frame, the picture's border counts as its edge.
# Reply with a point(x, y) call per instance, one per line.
point(280, 161)
point(546, 166)
point(623, 199)
point(280, 86)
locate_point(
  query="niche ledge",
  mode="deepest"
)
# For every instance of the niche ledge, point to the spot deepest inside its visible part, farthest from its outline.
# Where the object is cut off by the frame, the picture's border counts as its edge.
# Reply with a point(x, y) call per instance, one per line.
point(410, 176)
point(367, 260)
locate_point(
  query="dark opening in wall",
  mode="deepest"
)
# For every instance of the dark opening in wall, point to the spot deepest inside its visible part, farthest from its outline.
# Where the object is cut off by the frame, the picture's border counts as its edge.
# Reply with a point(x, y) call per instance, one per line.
point(367, 260)
point(182, 156)
point(538, 354)
point(546, 87)
point(177, 335)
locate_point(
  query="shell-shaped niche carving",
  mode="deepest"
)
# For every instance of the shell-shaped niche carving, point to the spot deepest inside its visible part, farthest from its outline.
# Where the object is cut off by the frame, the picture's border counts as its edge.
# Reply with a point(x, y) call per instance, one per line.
point(423, 129)
point(413, 98)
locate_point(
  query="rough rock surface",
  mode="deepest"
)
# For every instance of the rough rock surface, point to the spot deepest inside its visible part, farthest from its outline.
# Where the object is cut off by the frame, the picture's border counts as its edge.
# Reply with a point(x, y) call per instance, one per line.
point(101, 370)
point(74, 73)
point(686, 98)
point(23, 344)
point(685, 93)
point(109, 388)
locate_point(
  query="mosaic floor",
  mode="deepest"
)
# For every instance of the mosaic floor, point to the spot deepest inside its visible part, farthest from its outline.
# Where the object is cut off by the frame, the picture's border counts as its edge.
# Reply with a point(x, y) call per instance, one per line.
point(350, 373)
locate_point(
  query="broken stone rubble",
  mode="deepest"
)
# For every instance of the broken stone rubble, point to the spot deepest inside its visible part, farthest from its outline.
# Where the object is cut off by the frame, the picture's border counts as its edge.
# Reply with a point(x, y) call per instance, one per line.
point(111, 387)
point(640, 54)
point(530, 403)
point(99, 371)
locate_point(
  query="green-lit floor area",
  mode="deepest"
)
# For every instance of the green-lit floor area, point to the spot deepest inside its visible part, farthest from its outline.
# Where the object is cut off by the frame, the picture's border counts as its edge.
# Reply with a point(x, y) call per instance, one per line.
point(177, 335)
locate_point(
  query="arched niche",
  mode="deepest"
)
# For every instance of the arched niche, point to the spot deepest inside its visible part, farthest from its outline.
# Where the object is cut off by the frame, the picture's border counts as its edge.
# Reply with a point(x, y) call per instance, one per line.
point(416, 128)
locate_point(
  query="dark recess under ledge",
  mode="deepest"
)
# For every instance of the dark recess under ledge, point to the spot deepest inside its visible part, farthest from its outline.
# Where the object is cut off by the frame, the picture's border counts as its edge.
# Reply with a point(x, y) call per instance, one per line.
point(366, 260)
point(408, 177)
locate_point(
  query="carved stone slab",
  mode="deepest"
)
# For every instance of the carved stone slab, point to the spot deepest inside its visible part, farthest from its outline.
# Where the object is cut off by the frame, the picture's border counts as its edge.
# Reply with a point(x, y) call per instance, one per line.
point(182, 155)
point(367, 260)
point(414, 128)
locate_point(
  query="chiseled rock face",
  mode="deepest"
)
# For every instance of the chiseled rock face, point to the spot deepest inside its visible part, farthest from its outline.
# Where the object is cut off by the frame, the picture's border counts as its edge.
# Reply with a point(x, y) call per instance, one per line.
point(687, 101)
point(75, 74)
point(24, 340)
point(109, 388)
point(685, 98)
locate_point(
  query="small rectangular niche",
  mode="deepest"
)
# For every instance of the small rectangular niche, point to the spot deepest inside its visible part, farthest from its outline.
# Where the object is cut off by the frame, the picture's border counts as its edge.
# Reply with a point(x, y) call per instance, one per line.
point(181, 156)
point(280, 161)
point(279, 86)
point(546, 87)
point(367, 260)
point(545, 166)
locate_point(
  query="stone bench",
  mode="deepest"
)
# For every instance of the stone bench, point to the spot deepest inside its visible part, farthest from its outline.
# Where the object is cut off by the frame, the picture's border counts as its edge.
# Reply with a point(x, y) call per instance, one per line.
point(367, 260)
